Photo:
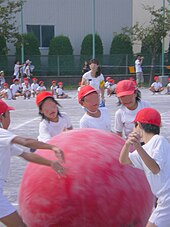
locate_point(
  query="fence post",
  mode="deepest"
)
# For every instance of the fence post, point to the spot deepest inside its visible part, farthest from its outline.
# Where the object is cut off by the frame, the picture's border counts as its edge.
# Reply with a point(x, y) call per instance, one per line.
point(126, 71)
point(58, 65)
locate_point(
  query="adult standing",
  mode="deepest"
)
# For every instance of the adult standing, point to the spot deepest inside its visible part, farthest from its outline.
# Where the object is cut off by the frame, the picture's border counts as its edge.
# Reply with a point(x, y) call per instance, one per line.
point(95, 78)
point(17, 67)
point(139, 72)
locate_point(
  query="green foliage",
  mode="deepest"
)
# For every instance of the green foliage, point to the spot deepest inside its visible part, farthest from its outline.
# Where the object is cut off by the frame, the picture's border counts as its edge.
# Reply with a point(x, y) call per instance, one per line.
point(86, 46)
point(148, 44)
point(61, 58)
point(121, 44)
point(8, 10)
point(3, 46)
point(31, 45)
point(60, 45)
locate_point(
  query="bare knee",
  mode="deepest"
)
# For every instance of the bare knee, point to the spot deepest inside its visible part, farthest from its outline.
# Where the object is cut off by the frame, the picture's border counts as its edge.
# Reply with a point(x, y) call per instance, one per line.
point(149, 224)
point(13, 220)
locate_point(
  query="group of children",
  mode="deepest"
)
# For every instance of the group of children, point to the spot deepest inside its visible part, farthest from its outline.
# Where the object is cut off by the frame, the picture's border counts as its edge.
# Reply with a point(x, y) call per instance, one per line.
point(135, 121)
point(26, 89)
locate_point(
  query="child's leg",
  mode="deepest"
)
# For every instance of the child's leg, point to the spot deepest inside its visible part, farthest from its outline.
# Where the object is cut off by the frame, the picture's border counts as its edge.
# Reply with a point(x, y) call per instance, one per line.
point(149, 224)
point(13, 220)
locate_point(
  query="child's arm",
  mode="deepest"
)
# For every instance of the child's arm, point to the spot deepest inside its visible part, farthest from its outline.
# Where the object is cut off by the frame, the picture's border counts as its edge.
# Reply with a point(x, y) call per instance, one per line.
point(35, 144)
point(31, 157)
point(147, 159)
point(124, 154)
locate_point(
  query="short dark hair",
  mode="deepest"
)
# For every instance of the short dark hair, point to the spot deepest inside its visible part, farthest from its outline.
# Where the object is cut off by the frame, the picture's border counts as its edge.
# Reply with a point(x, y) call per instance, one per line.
point(149, 128)
point(40, 108)
point(138, 97)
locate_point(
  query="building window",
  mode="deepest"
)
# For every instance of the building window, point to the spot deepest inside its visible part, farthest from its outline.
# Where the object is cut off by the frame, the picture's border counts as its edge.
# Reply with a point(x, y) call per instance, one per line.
point(44, 33)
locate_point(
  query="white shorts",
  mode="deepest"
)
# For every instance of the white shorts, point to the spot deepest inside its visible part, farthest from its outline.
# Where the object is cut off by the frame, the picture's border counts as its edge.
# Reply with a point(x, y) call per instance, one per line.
point(5, 207)
point(161, 215)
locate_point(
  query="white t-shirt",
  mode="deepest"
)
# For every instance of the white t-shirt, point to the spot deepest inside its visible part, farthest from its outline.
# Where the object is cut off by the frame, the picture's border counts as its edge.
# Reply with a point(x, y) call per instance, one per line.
point(34, 87)
point(53, 88)
point(124, 118)
point(102, 122)
point(168, 85)
point(14, 88)
point(26, 88)
point(59, 91)
point(48, 129)
point(156, 85)
point(93, 81)
point(159, 149)
point(8, 92)
point(41, 88)
point(138, 66)
point(7, 149)
point(16, 70)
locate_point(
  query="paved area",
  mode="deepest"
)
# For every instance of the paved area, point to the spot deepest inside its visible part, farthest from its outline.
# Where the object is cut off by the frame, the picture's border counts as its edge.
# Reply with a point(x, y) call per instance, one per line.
point(25, 121)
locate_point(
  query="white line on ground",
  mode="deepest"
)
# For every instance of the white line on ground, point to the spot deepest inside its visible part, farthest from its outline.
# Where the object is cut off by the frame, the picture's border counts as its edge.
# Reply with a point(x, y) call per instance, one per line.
point(25, 123)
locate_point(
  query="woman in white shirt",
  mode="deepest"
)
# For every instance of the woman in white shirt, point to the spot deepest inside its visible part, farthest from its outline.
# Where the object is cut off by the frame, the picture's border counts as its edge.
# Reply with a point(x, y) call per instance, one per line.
point(53, 122)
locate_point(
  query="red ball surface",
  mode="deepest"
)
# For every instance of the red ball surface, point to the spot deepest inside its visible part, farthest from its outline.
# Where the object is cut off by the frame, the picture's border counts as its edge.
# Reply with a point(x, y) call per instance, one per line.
point(97, 191)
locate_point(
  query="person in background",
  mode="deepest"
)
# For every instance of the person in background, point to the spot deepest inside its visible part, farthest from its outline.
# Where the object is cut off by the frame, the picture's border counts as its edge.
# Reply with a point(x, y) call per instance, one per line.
point(34, 86)
point(41, 87)
point(153, 158)
point(156, 87)
point(129, 100)
point(94, 117)
point(17, 68)
point(133, 79)
point(2, 79)
point(54, 87)
point(85, 68)
point(60, 92)
point(168, 87)
point(26, 90)
point(53, 121)
point(6, 92)
point(95, 78)
point(139, 71)
point(16, 89)
point(111, 86)
point(9, 147)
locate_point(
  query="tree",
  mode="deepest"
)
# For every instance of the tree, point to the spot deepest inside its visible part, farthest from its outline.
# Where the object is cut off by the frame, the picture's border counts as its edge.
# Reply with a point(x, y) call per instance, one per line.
point(3, 46)
point(152, 35)
point(121, 44)
point(8, 10)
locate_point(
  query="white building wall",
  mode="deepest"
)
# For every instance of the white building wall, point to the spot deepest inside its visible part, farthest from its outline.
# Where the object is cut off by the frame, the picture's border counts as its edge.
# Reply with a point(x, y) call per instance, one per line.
point(73, 18)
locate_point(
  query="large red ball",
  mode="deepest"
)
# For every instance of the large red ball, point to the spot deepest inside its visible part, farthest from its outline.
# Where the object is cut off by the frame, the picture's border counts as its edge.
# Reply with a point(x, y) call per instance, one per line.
point(97, 191)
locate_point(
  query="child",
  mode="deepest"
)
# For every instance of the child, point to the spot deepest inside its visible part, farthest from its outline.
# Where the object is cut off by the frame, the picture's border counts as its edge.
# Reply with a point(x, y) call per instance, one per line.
point(53, 122)
point(54, 87)
point(8, 147)
point(156, 87)
point(154, 159)
point(133, 79)
point(168, 87)
point(111, 86)
point(130, 100)
point(41, 87)
point(95, 78)
point(6, 92)
point(60, 93)
point(15, 89)
point(94, 117)
point(2, 79)
point(17, 67)
point(26, 89)
point(34, 87)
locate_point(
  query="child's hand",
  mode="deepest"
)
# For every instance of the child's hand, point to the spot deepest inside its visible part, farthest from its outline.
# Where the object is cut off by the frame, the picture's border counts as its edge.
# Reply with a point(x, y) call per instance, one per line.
point(58, 168)
point(134, 138)
point(59, 154)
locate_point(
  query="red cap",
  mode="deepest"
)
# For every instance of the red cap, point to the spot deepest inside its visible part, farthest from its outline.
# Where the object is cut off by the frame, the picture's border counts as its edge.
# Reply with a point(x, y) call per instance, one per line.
point(125, 87)
point(111, 81)
point(40, 82)
point(4, 107)
point(34, 78)
point(148, 116)
point(60, 83)
point(131, 78)
point(15, 79)
point(156, 78)
point(84, 91)
point(5, 84)
point(43, 95)
point(108, 78)
point(169, 79)
point(54, 81)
